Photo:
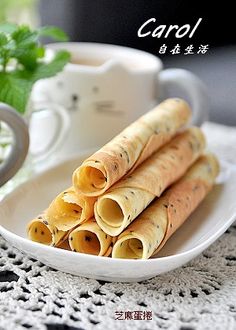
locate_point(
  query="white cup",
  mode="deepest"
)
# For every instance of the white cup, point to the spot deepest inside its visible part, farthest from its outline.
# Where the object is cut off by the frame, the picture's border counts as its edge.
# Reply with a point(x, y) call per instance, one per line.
point(106, 87)
point(18, 136)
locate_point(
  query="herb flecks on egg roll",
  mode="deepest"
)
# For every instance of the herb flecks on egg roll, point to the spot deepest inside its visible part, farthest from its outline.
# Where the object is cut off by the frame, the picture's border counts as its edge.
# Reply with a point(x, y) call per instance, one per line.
point(39, 230)
point(90, 239)
point(131, 147)
point(124, 201)
point(150, 231)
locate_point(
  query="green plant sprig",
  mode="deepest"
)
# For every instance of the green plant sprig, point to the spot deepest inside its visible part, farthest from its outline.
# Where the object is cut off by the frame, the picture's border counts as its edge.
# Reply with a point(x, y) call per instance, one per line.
point(22, 61)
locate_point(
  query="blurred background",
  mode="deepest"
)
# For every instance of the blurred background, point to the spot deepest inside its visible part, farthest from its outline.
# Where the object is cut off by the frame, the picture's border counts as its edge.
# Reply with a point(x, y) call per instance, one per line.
point(117, 22)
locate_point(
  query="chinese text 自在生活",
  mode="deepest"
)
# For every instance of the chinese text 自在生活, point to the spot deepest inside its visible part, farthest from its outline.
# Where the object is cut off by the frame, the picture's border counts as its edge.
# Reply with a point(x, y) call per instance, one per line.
point(188, 50)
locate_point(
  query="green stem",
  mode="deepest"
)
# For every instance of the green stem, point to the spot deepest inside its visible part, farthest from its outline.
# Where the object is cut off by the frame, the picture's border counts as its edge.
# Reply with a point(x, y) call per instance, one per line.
point(4, 65)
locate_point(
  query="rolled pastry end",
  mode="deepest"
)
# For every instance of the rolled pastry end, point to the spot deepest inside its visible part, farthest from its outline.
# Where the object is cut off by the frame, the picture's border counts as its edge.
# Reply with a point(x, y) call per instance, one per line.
point(109, 215)
point(90, 239)
point(85, 241)
point(110, 211)
point(129, 247)
point(90, 180)
point(39, 232)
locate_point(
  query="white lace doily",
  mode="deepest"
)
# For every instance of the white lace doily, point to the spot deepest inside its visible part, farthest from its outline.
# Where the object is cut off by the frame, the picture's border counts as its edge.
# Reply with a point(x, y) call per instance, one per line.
point(200, 295)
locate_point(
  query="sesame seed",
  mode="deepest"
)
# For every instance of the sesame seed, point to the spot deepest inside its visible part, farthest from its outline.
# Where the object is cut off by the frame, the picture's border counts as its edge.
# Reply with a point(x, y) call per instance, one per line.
point(88, 238)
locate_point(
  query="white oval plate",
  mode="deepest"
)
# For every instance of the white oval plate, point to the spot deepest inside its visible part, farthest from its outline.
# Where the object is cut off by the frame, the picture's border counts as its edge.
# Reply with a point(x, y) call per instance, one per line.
point(215, 214)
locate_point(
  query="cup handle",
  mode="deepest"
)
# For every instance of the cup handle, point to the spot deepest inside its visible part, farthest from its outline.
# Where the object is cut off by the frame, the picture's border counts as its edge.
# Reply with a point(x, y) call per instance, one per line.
point(20, 145)
point(63, 126)
point(191, 86)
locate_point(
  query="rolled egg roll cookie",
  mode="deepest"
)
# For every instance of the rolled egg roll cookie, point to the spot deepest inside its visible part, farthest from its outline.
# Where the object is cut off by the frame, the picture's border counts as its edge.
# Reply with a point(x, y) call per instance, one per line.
point(39, 230)
point(124, 201)
point(70, 209)
point(131, 147)
point(150, 231)
point(64, 245)
point(90, 239)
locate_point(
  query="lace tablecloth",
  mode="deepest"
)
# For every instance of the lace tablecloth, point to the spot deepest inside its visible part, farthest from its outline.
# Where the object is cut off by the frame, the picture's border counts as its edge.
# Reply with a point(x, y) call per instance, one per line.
point(200, 295)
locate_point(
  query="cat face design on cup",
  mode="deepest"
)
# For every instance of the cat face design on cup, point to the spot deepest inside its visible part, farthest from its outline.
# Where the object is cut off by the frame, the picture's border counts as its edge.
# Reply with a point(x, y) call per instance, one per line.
point(106, 87)
point(98, 79)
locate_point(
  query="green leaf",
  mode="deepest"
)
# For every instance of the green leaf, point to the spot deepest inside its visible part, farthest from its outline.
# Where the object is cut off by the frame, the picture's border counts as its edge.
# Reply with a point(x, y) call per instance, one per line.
point(14, 90)
point(3, 39)
point(8, 27)
point(26, 56)
point(21, 44)
point(46, 70)
point(53, 32)
point(24, 37)
point(40, 52)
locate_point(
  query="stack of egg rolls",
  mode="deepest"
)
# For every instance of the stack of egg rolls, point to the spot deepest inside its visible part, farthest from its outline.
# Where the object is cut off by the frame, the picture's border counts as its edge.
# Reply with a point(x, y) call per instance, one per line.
point(131, 147)
point(152, 228)
point(125, 200)
point(129, 197)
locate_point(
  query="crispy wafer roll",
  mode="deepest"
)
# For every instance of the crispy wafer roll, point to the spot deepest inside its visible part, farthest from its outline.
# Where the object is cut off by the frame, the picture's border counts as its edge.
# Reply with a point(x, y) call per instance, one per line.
point(69, 209)
point(150, 231)
point(39, 230)
point(89, 238)
point(124, 201)
point(131, 147)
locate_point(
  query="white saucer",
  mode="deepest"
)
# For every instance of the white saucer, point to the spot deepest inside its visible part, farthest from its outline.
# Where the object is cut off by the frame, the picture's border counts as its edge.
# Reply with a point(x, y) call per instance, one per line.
point(216, 213)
